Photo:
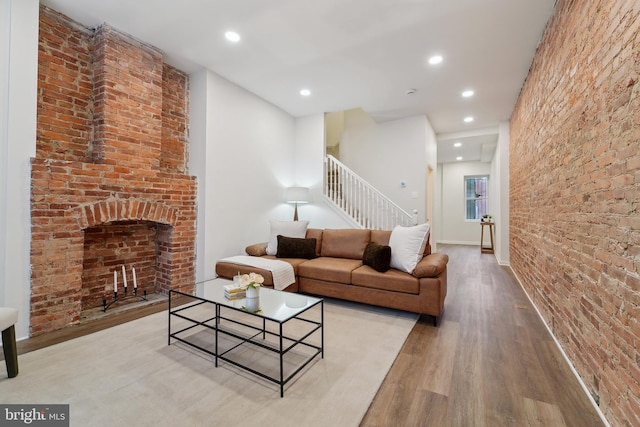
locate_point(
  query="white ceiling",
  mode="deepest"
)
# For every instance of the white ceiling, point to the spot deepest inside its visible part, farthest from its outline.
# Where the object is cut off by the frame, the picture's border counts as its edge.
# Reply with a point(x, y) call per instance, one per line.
point(350, 53)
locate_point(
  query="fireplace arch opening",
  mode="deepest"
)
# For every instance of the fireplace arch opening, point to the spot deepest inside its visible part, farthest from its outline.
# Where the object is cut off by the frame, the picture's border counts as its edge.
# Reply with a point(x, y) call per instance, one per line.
point(125, 248)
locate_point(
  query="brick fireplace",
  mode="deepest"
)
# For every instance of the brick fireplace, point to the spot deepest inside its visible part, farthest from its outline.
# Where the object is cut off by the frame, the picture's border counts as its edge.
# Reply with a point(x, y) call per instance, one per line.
point(109, 184)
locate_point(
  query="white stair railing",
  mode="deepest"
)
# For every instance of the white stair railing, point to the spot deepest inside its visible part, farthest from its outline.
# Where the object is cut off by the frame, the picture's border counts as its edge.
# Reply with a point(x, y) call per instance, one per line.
point(358, 199)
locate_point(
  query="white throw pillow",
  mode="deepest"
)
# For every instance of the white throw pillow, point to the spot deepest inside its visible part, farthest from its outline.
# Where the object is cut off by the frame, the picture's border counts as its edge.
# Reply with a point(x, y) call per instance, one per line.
point(287, 229)
point(407, 246)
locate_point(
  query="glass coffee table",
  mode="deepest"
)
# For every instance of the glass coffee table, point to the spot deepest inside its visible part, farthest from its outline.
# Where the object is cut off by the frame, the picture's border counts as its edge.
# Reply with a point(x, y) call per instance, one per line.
point(283, 330)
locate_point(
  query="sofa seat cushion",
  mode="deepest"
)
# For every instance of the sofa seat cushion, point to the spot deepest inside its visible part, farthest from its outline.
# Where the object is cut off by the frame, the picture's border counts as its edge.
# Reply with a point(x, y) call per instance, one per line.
point(391, 280)
point(295, 262)
point(329, 269)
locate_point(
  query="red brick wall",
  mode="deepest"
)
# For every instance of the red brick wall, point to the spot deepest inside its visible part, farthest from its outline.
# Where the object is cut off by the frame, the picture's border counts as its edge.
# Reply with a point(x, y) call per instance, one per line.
point(107, 248)
point(128, 101)
point(65, 85)
point(575, 194)
point(100, 136)
point(174, 112)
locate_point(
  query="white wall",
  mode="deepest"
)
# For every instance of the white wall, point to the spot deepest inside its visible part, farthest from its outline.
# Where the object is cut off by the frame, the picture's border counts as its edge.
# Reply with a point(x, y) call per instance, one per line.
point(309, 172)
point(242, 150)
point(455, 228)
point(500, 188)
point(433, 190)
point(390, 153)
point(245, 152)
point(334, 125)
point(18, 109)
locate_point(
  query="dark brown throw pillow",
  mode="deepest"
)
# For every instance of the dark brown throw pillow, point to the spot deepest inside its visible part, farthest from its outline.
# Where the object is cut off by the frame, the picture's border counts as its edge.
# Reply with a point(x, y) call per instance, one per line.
point(294, 247)
point(377, 257)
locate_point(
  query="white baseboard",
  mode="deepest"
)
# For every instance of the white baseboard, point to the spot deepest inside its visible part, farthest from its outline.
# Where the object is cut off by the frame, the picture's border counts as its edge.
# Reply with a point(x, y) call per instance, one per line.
point(458, 242)
point(503, 263)
point(566, 358)
point(474, 243)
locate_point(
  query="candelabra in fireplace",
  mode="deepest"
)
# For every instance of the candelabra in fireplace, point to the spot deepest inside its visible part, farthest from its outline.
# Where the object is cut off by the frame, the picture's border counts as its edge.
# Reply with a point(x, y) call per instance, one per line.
point(123, 296)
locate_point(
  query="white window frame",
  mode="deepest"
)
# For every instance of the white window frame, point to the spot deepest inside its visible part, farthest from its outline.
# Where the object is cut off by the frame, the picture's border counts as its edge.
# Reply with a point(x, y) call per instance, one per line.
point(476, 197)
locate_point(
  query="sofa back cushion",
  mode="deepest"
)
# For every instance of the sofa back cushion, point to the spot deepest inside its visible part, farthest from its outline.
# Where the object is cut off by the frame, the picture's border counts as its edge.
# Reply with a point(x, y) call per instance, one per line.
point(315, 233)
point(345, 243)
point(381, 237)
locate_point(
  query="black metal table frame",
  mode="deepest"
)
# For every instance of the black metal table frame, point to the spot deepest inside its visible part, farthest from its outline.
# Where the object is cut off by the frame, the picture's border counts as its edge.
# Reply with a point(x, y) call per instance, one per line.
point(280, 349)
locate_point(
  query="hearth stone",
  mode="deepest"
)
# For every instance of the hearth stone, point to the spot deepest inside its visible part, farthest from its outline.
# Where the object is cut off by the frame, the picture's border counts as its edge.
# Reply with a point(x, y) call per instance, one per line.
point(121, 307)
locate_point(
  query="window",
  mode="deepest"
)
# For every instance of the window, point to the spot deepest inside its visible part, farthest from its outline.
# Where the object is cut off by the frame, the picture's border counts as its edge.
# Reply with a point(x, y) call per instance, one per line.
point(476, 198)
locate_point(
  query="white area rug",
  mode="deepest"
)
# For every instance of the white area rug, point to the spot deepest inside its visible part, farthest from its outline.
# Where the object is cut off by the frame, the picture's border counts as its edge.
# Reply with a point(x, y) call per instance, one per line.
point(128, 375)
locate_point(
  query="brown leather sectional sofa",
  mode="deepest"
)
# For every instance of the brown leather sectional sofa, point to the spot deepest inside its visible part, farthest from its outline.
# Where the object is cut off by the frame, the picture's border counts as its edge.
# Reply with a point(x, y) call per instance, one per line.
point(338, 272)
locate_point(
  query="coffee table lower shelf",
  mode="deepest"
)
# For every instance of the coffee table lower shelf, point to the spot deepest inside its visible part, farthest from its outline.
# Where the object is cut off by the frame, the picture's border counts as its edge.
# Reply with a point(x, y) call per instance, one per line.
point(238, 327)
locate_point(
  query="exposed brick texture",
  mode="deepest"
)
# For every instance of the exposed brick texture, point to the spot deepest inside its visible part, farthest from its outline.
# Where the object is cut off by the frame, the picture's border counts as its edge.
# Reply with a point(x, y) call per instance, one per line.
point(108, 110)
point(175, 107)
point(65, 85)
point(128, 101)
point(575, 194)
point(108, 248)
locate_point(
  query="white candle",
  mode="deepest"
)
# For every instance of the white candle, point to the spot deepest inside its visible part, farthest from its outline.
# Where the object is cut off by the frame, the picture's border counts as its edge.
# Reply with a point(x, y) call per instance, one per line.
point(135, 283)
point(115, 281)
point(124, 277)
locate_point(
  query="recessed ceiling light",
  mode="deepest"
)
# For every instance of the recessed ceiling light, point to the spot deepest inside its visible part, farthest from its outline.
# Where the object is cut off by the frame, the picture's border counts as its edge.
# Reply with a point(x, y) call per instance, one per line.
point(458, 144)
point(436, 59)
point(232, 36)
point(467, 93)
point(468, 119)
point(305, 92)
point(459, 158)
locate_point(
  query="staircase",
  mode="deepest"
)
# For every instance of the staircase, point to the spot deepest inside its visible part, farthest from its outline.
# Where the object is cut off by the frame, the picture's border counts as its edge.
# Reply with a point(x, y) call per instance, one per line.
point(360, 201)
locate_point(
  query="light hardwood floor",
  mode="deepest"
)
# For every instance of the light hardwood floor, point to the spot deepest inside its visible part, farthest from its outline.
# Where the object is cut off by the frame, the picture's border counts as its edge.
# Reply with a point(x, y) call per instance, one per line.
point(491, 362)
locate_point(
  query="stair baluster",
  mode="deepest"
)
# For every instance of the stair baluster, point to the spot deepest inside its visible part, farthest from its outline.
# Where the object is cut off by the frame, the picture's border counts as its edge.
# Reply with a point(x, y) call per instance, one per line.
point(363, 203)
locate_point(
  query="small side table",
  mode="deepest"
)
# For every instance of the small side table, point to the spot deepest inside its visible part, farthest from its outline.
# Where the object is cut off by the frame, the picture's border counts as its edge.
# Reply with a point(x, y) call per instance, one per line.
point(486, 249)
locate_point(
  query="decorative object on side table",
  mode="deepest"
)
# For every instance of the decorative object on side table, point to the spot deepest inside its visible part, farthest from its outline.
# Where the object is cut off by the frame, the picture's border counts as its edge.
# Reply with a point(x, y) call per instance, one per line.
point(486, 218)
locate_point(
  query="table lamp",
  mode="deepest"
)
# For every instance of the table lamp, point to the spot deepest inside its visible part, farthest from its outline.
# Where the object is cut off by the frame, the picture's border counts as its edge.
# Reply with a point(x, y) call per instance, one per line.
point(297, 195)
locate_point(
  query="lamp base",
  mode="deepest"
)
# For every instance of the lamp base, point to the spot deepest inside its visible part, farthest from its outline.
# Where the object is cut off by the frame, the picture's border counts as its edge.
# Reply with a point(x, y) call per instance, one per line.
point(295, 213)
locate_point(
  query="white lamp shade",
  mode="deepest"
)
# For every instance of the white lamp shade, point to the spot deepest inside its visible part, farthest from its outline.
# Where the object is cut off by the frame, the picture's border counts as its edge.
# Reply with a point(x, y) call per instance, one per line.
point(297, 195)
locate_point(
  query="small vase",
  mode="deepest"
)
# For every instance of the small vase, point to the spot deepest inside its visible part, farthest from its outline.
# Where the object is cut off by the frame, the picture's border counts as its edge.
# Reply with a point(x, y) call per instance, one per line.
point(252, 304)
point(253, 292)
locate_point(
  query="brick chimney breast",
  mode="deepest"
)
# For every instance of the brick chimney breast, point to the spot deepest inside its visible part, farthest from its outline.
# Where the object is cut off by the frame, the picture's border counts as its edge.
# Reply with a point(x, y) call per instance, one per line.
point(128, 101)
point(109, 184)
